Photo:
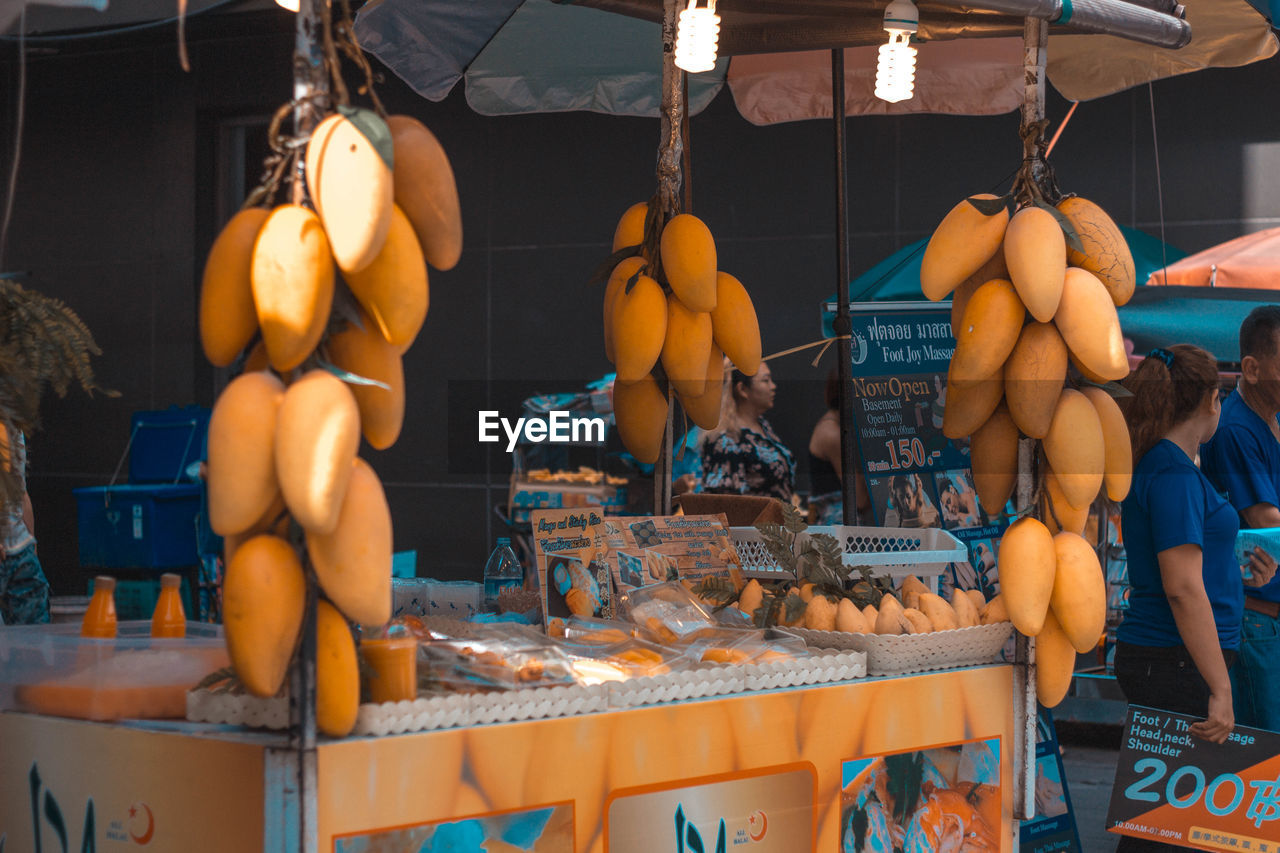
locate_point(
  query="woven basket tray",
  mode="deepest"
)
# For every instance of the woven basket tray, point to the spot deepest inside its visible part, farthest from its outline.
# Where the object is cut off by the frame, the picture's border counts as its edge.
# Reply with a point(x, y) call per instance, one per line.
point(895, 654)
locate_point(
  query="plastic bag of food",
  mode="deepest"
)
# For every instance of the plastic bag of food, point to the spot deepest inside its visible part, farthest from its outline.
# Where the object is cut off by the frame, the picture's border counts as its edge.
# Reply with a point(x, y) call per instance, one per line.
point(495, 662)
point(669, 613)
point(586, 629)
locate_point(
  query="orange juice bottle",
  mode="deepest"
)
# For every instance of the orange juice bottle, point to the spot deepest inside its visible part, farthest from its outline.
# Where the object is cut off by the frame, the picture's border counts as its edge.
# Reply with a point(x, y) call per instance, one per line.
point(100, 618)
point(169, 619)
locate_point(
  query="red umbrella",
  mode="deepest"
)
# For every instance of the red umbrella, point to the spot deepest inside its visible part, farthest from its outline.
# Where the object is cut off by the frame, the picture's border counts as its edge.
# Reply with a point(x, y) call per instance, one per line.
point(1251, 261)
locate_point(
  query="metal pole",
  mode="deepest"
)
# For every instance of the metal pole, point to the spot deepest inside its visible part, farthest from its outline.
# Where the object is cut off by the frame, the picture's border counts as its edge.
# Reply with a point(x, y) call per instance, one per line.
point(310, 91)
point(843, 325)
point(1035, 38)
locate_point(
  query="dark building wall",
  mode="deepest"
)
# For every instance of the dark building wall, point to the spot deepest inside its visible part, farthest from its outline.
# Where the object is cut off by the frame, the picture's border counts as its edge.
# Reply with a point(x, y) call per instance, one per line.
point(117, 203)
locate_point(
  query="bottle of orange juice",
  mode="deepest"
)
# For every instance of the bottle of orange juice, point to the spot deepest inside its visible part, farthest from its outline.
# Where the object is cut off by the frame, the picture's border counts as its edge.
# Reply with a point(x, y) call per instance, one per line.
point(169, 619)
point(100, 618)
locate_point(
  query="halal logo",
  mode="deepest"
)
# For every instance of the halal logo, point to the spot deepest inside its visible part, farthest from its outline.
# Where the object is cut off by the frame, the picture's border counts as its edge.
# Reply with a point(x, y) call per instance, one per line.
point(137, 822)
point(757, 826)
point(858, 345)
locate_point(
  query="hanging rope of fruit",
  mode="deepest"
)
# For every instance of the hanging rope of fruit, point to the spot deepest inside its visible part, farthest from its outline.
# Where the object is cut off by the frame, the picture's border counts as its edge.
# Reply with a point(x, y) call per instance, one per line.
point(323, 366)
point(1038, 353)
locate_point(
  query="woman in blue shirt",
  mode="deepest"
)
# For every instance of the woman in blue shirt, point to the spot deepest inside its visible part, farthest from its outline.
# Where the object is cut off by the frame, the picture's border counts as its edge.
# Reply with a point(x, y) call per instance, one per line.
point(1182, 627)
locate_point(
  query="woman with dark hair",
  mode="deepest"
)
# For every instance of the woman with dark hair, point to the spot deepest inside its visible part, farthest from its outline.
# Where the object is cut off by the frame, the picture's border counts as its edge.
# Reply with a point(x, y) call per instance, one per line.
point(1182, 628)
point(826, 494)
point(743, 455)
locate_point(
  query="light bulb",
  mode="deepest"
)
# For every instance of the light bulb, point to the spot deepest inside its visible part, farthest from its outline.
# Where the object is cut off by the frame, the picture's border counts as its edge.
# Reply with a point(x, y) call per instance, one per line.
point(896, 70)
point(697, 32)
point(291, 5)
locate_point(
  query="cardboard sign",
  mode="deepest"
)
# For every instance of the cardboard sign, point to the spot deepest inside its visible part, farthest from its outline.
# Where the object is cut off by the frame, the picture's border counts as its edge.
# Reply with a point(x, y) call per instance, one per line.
point(587, 560)
point(1174, 788)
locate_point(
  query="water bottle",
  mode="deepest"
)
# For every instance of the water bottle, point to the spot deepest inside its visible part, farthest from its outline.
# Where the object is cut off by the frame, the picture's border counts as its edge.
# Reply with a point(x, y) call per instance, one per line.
point(503, 571)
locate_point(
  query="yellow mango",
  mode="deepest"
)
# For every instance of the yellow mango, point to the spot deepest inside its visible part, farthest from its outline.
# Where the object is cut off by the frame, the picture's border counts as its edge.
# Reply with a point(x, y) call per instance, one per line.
point(735, 325)
point(242, 435)
point(317, 435)
point(993, 454)
point(351, 188)
point(941, 614)
point(1059, 514)
point(337, 673)
point(849, 618)
point(971, 402)
point(871, 614)
point(365, 353)
point(686, 348)
point(751, 597)
point(393, 288)
point(987, 334)
point(820, 614)
point(995, 611)
point(1118, 468)
point(911, 589)
point(1090, 326)
point(353, 563)
point(618, 279)
point(274, 521)
point(1074, 448)
point(917, 621)
point(689, 261)
point(995, 267)
point(639, 329)
point(630, 230)
point(965, 611)
point(1036, 251)
point(704, 409)
point(1105, 250)
point(1055, 663)
point(1033, 378)
point(978, 599)
point(889, 620)
point(640, 410)
point(960, 245)
point(263, 595)
point(1027, 566)
point(1079, 599)
point(292, 278)
point(227, 316)
point(425, 190)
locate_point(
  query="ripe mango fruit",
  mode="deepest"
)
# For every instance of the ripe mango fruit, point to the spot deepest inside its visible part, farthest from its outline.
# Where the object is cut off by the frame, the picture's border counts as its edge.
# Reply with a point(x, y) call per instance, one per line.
point(630, 230)
point(227, 316)
point(964, 241)
point(1034, 376)
point(640, 410)
point(639, 329)
point(993, 454)
point(263, 595)
point(317, 435)
point(704, 409)
point(1055, 663)
point(242, 480)
point(971, 402)
point(618, 279)
point(1074, 448)
point(735, 325)
point(686, 347)
point(1036, 251)
point(987, 334)
point(425, 190)
point(689, 260)
point(1027, 566)
point(1105, 250)
point(363, 351)
point(353, 563)
point(393, 288)
point(1118, 452)
point(292, 279)
point(1090, 326)
point(351, 187)
point(337, 673)
point(1079, 599)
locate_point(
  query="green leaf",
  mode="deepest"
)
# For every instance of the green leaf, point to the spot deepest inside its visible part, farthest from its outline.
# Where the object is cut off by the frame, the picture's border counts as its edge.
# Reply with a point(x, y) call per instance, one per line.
point(351, 378)
point(1115, 389)
point(716, 588)
point(374, 129)
point(792, 520)
point(795, 606)
point(1068, 230)
point(990, 206)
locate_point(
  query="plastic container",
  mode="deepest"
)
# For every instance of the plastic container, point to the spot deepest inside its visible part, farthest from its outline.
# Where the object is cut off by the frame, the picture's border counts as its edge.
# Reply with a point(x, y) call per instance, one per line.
point(100, 617)
point(502, 571)
point(138, 526)
point(168, 619)
point(51, 669)
point(390, 671)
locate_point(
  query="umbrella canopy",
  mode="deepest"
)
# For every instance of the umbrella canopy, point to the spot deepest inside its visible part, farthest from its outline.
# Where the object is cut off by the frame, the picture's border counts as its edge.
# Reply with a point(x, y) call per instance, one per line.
point(1206, 317)
point(1251, 262)
point(520, 56)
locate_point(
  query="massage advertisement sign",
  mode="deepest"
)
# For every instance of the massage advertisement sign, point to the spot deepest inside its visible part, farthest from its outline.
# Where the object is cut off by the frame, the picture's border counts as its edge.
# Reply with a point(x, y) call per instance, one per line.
point(916, 476)
point(1174, 788)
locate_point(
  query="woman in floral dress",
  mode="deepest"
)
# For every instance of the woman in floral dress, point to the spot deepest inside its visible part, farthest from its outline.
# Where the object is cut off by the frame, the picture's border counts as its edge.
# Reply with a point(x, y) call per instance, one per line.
point(743, 455)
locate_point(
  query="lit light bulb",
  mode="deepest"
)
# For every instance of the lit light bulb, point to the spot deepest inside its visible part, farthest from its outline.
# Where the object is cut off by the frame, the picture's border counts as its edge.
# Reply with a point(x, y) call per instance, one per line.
point(697, 32)
point(291, 5)
point(896, 69)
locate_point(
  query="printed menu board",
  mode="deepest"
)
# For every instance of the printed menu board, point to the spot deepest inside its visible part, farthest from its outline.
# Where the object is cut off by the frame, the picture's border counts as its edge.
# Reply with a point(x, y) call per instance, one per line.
point(588, 561)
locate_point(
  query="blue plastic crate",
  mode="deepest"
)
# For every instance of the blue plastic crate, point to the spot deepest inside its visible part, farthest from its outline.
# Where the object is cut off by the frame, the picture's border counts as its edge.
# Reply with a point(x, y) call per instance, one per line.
point(138, 526)
point(164, 442)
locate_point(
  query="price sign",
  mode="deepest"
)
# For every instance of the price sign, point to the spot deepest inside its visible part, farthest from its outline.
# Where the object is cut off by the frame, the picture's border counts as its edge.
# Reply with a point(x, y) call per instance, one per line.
point(1174, 788)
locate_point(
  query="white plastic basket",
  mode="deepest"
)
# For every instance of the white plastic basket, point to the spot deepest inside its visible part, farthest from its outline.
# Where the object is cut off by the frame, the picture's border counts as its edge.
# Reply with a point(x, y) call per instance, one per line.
point(895, 654)
point(895, 551)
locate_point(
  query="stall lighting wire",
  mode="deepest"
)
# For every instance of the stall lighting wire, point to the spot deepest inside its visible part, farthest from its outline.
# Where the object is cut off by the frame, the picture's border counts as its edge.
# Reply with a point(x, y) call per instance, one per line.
point(17, 136)
point(1155, 144)
point(129, 28)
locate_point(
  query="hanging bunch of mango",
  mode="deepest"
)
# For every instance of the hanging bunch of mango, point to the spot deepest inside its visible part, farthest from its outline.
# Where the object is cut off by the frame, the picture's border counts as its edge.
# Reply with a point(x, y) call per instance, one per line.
point(1038, 354)
point(374, 196)
point(670, 319)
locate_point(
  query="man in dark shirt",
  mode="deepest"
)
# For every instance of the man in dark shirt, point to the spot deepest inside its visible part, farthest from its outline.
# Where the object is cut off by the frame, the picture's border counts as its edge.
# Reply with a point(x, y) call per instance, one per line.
point(1242, 460)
